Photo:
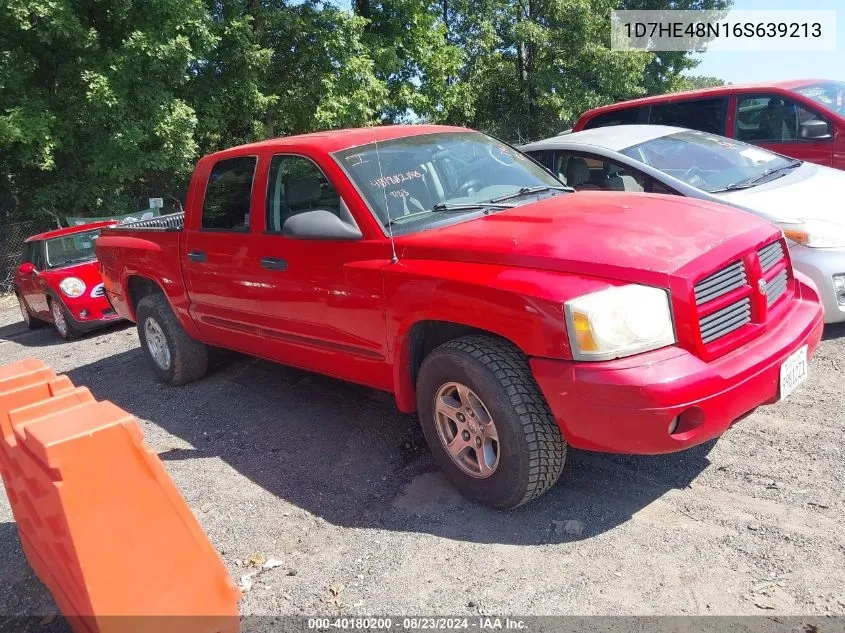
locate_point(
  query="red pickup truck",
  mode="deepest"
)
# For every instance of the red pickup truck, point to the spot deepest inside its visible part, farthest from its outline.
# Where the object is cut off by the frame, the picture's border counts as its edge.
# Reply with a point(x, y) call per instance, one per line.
point(443, 266)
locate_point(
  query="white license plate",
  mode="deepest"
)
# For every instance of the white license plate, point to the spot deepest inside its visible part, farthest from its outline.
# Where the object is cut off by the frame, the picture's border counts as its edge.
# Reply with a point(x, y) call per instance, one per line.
point(793, 372)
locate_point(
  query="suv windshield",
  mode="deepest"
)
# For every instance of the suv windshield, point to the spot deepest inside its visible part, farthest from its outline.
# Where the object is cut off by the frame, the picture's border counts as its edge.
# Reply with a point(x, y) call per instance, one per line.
point(830, 94)
point(414, 182)
point(71, 249)
point(709, 162)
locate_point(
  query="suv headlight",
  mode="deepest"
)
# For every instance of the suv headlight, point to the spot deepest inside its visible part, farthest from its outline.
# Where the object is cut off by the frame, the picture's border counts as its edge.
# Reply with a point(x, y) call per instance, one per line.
point(619, 321)
point(815, 233)
point(72, 286)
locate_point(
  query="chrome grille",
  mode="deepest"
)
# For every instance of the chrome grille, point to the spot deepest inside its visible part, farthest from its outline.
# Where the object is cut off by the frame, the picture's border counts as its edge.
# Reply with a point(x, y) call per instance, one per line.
point(726, 320)
point(770, 255)
point(776, 287)
point(98, 291)
point(720, 283)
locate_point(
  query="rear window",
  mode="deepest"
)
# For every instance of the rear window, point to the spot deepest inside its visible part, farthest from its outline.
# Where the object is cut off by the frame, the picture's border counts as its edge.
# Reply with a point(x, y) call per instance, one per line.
point(624, 116)
point(228, 195)
point(706, 115)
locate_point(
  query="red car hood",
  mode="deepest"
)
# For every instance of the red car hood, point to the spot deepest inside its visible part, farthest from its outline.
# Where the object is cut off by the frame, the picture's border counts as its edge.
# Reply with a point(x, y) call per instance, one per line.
point(629, 237)
point(88, 272)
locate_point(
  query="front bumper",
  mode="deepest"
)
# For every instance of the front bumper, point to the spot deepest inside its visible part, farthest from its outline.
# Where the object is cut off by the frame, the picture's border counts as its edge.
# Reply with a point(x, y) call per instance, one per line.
point(90, 313)
point(820, 265)
point(628, 405)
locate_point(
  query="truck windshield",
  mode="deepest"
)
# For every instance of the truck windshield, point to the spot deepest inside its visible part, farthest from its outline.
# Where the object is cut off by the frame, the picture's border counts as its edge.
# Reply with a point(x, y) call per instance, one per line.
point(413, 182)
point(71, 249)
point(707, 161)
point(829, 94)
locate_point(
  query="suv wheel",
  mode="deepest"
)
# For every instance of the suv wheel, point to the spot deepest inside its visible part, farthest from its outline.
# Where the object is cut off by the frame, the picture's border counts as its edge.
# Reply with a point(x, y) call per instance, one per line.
point(174, 356)
point(487, 423)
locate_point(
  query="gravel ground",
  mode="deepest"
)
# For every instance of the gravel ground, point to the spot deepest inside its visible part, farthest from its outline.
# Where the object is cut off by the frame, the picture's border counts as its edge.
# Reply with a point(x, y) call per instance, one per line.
point(331, 480)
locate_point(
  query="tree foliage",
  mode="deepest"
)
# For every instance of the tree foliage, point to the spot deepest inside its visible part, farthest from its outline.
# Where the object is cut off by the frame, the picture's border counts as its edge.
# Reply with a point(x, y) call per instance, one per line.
point(106, 102)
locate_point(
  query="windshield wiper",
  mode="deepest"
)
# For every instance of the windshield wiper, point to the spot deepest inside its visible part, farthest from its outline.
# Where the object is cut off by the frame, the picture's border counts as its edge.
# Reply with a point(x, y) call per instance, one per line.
point(750, 182)
point(445, 207)
point(527, 191)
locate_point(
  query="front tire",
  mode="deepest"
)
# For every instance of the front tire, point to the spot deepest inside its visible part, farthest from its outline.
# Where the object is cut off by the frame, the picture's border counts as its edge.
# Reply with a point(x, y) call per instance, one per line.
point(487, 423)
point(174, 356)
point(62, 321)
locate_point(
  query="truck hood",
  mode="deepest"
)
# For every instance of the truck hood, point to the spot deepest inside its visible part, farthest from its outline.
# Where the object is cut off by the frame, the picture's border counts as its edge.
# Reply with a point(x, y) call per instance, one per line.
point(641, 238)
point(810, 192)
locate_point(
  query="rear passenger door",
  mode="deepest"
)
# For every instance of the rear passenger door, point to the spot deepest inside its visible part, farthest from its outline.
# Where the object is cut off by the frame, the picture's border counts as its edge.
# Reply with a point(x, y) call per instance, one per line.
point(220, 254)
point(774, 122)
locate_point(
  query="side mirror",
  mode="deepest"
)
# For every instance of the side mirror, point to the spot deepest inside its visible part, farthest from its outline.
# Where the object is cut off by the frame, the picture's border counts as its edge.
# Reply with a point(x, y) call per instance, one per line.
point(814, 129)
point(319, 224)
point(26, 268)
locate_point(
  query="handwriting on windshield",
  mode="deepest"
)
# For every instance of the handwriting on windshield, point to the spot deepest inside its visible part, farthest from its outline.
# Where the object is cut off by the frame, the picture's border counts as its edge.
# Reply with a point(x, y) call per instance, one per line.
point(395, 179)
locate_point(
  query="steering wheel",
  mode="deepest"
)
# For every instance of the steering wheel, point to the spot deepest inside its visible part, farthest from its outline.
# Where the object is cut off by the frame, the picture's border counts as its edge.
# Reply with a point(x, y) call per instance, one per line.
point(691, 173)
point(469, 184)
point(501, 155)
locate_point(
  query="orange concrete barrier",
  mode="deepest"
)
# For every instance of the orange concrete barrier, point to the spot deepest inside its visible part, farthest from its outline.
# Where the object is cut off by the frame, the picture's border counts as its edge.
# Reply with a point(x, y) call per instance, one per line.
point(100, 520)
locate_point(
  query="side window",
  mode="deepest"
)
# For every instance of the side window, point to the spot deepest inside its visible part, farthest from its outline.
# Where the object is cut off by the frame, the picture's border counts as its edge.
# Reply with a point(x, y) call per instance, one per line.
point(772, 119)
point(543, 156)
point(26, 254)
point(624, 116)
point(228, 194)
point(593, 173)
point(36, 256)
point(707, 115)
point(296, 185)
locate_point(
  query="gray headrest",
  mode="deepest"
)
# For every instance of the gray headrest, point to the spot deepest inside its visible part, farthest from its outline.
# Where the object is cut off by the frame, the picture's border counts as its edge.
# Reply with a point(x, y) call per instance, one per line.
point(302, 190)
point(577, 172)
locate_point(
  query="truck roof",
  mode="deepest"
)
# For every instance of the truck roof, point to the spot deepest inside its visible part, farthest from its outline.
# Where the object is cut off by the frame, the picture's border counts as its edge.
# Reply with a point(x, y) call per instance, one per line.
point(717, 91)
point(70, 230)
point(335, 140)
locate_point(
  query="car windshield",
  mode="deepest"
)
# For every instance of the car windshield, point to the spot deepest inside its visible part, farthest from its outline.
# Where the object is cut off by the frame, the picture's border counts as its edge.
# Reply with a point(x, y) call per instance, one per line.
point(71, 249)
point(830, 94)
point(415, 182)
point(707, 161)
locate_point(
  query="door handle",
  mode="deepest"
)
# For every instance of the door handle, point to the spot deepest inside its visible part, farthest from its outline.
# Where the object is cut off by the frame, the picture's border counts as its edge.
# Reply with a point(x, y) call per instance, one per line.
point(197, 256)
point(274, 263)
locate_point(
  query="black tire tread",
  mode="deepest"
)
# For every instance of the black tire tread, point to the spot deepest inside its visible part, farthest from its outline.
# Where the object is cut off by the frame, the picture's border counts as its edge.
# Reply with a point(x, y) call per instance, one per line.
point(34, 322)
point(546, 445)
point(189, 357)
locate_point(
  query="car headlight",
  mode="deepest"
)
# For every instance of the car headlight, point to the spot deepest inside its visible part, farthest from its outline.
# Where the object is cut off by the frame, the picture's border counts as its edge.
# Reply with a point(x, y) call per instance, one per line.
point(619, 321)
point(815, 233)
point(72, 286)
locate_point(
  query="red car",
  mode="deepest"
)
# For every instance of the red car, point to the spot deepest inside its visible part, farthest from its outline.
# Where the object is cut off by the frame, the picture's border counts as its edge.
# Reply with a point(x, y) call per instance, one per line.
point(447, 268)
point(801, 118)
point(59, 281)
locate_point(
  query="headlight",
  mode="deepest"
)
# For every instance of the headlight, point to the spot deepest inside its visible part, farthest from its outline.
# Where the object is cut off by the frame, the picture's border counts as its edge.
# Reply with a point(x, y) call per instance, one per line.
point(72, 286)
point(619, 321)
point(815, 233)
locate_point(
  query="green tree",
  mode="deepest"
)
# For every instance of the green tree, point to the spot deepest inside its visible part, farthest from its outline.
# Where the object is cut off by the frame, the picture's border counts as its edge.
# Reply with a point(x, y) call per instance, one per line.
point(92, 101)
point(665, 71)
point(534, 65)
point(413, 57)
point(695, 82)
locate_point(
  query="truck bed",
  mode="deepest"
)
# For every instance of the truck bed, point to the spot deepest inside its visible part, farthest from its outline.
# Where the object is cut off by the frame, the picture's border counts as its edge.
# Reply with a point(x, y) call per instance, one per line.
point(170, 222)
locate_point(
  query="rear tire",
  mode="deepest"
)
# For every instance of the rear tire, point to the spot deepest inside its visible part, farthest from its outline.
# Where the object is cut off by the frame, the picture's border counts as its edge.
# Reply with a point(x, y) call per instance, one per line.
point(174, 356)
point(526, 457)
point(29, 321)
